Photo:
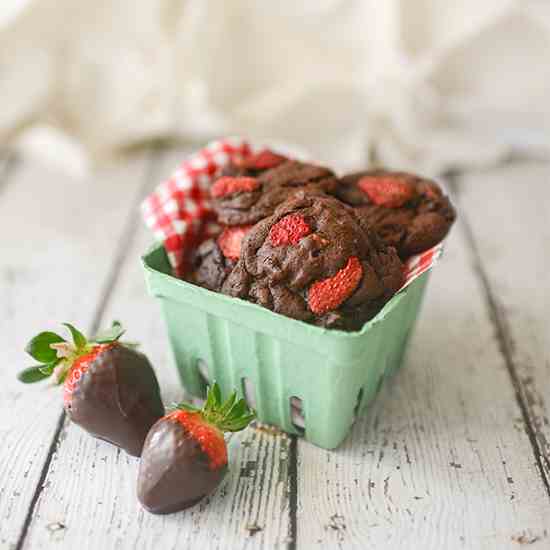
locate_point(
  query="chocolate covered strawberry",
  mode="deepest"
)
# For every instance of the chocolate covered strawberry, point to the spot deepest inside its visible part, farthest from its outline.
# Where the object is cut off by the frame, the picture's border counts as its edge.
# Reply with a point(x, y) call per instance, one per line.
point(185, 455)
point(110, 389)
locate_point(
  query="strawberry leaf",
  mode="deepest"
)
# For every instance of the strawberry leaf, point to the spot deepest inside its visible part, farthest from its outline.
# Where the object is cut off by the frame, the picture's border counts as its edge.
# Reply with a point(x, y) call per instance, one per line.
point(226, 407)
point(238, 410)
point(78, 338)
point(186, 407)
point(213, 398)
point(39, 347)
point(230, 416)
point(238, 424)
point(31, 375)
point(110, 335)
point(217, 394)
point(49, 368)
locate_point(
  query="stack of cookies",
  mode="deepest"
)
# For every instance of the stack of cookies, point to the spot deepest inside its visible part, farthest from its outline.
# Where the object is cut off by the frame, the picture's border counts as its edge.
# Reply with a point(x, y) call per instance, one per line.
point(300, 241)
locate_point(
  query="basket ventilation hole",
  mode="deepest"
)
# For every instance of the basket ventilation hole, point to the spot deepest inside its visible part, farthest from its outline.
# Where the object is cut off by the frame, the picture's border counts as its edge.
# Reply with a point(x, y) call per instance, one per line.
point(249, 392)
point(297, 415)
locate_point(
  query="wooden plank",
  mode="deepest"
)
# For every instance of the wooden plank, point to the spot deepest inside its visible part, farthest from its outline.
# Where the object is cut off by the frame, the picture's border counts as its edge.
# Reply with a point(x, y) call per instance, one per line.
point(60, 241)
point(90, 479)
point(442, 460)
point(513, 202)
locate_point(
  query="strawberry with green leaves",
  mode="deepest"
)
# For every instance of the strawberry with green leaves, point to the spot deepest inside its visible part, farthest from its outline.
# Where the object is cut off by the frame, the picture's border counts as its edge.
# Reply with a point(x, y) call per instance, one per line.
point(185, 454)
point(110, 389)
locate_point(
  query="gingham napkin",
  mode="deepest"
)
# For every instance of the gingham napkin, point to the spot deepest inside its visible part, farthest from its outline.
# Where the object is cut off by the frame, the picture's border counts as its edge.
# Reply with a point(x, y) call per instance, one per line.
point(180, 216)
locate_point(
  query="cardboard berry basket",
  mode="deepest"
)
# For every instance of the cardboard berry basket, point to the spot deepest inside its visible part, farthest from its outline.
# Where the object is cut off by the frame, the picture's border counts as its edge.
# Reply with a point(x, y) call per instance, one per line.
point(273, 361)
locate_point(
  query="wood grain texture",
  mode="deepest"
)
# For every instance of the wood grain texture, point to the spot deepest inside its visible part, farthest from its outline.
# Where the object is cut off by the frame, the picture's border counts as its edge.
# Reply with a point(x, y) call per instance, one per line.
point(443, 459)
point(507, 212)
point(92, 479)
point(60, 239)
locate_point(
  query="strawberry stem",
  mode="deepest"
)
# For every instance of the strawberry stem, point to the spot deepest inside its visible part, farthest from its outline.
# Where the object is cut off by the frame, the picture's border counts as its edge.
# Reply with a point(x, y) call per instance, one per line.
point(231, 415)
point(56, 355)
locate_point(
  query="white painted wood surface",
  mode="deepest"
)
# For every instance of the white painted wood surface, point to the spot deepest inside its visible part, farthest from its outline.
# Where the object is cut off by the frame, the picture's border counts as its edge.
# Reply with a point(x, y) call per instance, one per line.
point(451, 455)
point(516, 274)
point(60, 239)
point(442, 460)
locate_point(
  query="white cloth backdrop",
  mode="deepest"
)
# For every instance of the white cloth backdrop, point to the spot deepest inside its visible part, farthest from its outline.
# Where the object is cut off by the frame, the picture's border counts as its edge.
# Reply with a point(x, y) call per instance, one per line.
point(430, 83)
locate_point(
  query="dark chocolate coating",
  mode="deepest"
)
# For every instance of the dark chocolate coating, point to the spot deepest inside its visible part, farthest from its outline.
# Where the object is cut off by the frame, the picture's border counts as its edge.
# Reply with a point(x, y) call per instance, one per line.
point(416, 226)
point(174, 472)
point(277, 185)
point(278, 277)
point(118, 398)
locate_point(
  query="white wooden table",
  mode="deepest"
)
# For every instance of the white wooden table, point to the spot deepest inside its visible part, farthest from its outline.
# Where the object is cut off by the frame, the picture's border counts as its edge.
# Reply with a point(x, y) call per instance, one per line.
point(455, 452)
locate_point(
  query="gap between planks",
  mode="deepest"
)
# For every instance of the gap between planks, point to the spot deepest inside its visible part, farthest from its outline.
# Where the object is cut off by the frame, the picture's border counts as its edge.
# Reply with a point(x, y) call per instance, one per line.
point(293, 492)
point(123, 247)
point(503, 336)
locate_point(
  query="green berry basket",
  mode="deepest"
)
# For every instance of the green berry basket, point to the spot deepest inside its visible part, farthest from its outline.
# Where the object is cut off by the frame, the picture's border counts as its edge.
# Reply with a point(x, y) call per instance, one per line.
point(305, 379)
point(334, 374)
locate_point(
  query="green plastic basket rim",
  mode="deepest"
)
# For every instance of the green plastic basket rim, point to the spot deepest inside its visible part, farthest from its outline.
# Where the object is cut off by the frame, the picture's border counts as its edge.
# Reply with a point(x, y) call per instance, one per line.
point(307, 328)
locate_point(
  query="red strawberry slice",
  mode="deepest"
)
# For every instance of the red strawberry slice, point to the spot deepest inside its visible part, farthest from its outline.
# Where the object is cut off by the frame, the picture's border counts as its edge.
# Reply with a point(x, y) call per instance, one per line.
point(263, 160)
point(387, 191)
point(231, 239)
point(289, 230)
point(185, 455)
point(327, 294)
point(228, 185)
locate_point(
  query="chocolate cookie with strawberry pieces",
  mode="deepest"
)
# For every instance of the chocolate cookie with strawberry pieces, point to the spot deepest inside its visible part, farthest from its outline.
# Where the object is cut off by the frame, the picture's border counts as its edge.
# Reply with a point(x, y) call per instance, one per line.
point(109, 388)
point(214, 259)
point(185, 454)
point(244, 199)
point(315, 260)
point(406, 211)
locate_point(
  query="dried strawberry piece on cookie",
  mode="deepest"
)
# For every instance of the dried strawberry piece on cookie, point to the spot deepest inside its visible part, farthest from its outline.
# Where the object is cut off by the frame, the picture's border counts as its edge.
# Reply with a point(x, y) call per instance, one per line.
point(391, 192)
point(227, 186)
point(231, 239)
point(263, 160)
point(328, 294)
point(289, 230)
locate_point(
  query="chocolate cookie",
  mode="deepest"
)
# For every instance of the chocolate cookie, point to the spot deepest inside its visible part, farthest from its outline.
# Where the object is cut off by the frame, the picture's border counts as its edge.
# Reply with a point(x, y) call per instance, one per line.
point(315, 260)
point(406, 211)
point(215, 258)
point(249, 196)
point(211, 267)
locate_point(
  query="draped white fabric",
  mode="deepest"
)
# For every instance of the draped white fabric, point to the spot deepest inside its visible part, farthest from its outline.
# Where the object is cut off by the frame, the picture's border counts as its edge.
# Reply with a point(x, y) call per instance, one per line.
point(429, 84)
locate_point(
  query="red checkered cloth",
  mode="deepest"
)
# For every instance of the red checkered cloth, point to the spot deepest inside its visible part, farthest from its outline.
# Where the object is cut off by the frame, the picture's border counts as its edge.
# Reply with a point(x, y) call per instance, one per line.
point(180, 216)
